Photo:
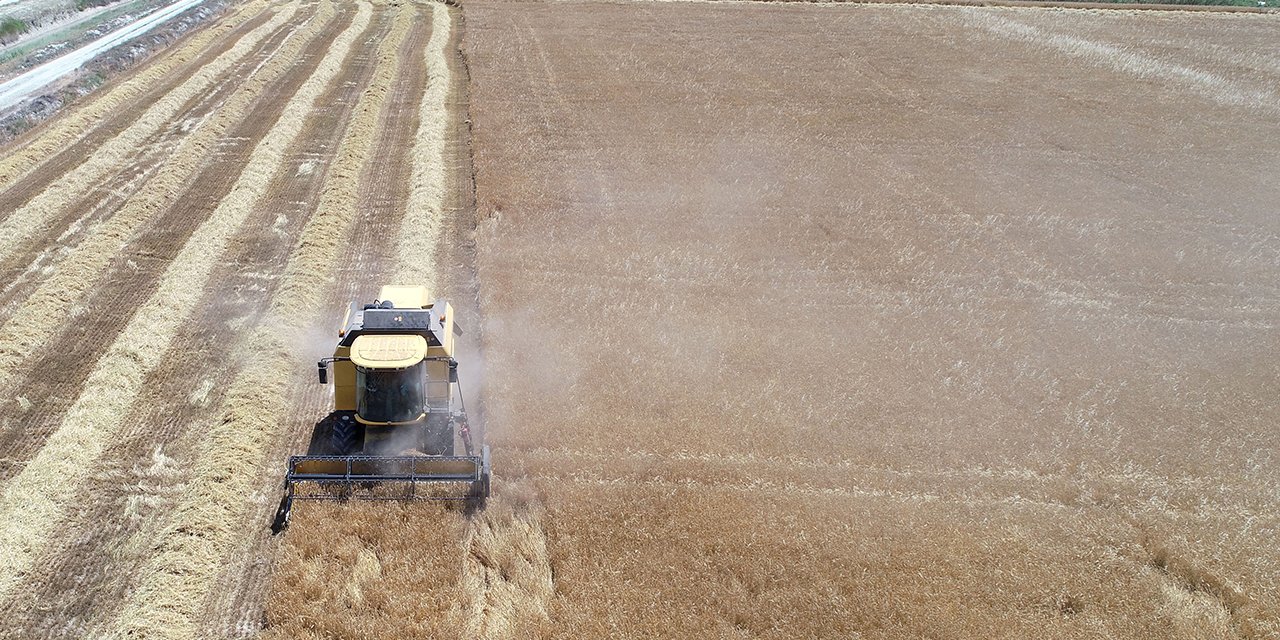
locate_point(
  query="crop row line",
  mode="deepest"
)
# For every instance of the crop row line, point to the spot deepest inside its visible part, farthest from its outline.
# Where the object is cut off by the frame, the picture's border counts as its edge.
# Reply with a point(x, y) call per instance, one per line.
point(41, 210)
point(35, 500)
point(206, 524)
point(77, 124)
point(36, 320)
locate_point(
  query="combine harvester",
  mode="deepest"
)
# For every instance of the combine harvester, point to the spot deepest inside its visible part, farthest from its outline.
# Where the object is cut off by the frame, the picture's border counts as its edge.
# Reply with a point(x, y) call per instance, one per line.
point(395, 430)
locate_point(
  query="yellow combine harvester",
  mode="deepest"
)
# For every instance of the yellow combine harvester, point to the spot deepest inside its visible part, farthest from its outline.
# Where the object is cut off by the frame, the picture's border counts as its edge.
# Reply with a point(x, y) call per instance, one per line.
point(398, 420)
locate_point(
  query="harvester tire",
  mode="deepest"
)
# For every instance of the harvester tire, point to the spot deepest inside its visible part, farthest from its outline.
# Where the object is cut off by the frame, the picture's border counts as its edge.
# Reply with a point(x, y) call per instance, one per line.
point(344, 436)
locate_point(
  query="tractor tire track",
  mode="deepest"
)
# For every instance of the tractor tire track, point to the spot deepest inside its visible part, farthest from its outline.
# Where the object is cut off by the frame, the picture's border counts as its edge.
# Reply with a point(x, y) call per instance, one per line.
point(135, 479)
point(126, 252)
point(1128, 61)
point(31, 506)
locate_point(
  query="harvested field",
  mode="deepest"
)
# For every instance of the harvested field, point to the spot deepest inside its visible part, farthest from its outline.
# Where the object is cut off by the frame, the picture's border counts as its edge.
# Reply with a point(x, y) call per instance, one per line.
point(877, 321)
point(225, 204)
point(931, 322)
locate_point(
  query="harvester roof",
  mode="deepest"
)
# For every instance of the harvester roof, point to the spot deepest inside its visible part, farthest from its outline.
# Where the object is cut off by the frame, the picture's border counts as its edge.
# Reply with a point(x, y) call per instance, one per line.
point(381, 351)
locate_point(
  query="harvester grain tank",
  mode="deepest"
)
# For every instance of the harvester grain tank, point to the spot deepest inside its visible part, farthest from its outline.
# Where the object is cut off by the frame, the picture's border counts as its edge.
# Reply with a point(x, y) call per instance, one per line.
point(399, 427)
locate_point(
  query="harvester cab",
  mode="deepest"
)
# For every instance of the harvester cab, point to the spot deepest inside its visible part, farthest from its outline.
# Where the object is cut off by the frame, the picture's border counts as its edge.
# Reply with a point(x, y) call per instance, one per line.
point(399, 428)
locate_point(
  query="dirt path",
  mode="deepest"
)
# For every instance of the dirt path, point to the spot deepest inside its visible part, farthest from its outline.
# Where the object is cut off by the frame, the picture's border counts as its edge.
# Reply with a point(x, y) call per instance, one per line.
point(21, 87)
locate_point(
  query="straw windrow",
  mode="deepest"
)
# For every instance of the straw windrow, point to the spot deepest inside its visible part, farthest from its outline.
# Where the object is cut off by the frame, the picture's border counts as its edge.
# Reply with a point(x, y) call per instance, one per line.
point(35, 500)
point(38, 318)
point(204, 527)
point(423, 218)
point(38, 212)
point(65, 131)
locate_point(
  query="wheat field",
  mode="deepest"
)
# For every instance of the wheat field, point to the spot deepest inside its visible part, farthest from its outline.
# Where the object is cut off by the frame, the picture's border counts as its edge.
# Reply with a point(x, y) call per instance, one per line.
point(782, 320)
point(931, 322)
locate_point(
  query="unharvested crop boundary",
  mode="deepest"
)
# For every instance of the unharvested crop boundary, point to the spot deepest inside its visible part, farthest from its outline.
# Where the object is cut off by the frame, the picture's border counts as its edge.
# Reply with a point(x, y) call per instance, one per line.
point(507, 584)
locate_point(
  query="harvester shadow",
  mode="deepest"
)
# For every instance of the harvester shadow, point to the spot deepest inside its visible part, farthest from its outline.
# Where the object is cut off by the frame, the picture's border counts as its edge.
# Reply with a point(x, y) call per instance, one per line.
point(321, 443)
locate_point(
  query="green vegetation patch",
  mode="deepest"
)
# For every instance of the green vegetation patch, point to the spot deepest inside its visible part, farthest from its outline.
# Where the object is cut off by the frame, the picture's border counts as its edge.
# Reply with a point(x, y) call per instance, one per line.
point(12, 27)
point(75, 33)
point(81, 5)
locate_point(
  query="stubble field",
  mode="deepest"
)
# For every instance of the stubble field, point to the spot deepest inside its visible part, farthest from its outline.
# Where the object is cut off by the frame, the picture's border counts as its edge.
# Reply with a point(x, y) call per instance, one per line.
point(175, 252)
point(835, 321)
point(882, 322)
